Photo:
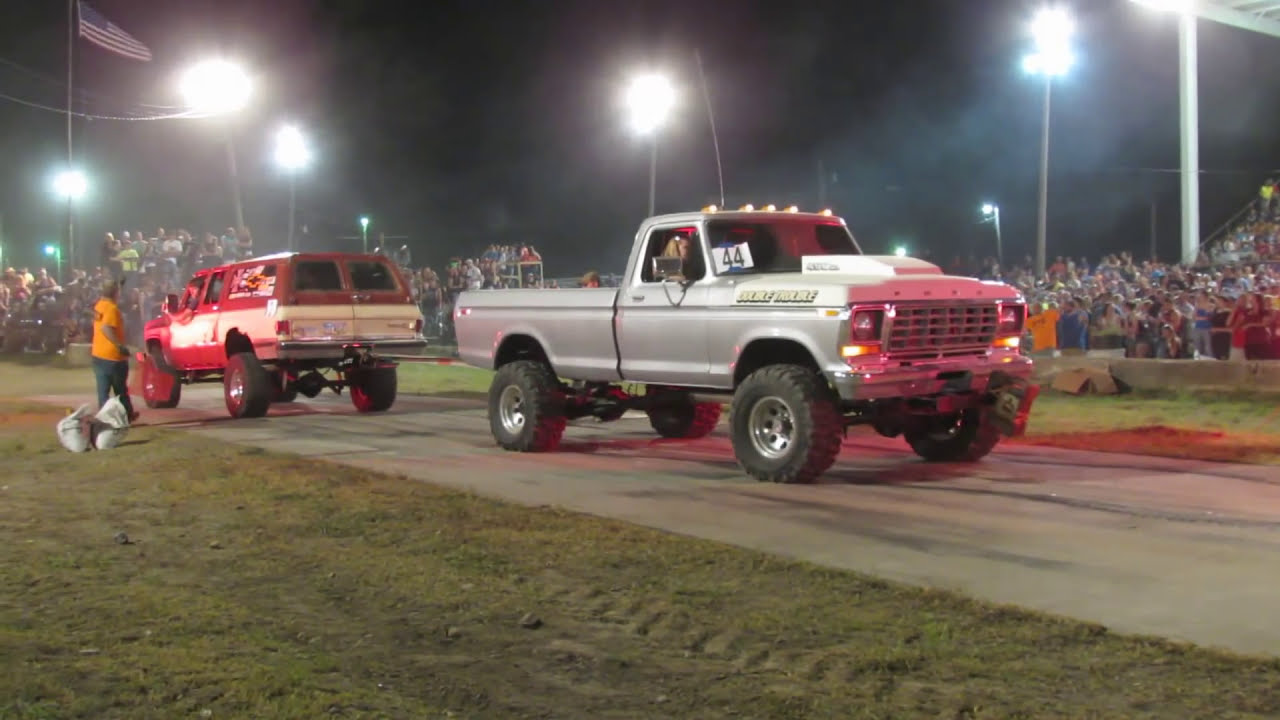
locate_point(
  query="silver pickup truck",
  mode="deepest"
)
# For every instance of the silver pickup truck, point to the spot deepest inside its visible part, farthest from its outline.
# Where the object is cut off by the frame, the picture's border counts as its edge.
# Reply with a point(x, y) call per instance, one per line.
point(777, 314)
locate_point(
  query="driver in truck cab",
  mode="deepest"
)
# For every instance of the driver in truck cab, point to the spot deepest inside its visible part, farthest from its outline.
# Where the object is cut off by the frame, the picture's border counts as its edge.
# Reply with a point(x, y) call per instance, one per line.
point(681, 246)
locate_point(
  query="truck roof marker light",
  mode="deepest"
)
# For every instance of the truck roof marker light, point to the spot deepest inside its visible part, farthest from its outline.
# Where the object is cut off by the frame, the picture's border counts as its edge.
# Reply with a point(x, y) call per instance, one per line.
point(710, 209)
point(771, 208)
point(793, 209)
point(827, 212)
point(748, 207)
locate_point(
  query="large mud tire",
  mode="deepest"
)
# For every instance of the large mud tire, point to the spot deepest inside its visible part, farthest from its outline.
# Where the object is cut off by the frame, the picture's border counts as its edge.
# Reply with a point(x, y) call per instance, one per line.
point(785, 425)
point(962, 437)
point(246, 386)
point(160, 385)
point(373, 389)
point(526, 407)
point(674, 414)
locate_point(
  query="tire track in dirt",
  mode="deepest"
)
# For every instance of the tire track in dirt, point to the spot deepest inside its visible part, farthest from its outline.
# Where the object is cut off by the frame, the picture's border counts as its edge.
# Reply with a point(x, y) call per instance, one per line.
point(649, 618)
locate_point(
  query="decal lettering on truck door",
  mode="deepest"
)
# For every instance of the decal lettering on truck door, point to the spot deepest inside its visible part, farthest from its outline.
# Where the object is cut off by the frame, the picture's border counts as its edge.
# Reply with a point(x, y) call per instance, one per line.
point(776, 297)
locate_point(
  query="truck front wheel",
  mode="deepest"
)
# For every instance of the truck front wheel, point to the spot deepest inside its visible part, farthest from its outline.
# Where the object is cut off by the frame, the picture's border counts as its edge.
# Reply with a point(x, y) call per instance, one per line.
point(373, 389)
point(956, 437)
point(526, 410)
point(246, 386)
point(160, 385)
point(784, 424)
point(676, 415)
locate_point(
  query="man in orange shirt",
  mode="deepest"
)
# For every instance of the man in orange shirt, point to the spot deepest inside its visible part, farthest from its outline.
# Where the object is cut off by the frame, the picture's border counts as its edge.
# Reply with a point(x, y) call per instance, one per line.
point(110, 356)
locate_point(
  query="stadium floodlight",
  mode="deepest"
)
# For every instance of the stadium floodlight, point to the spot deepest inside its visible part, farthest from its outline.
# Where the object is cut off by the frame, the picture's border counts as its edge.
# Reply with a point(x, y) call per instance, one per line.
point(650, 99)
point(1052, 30)
point(216, 86)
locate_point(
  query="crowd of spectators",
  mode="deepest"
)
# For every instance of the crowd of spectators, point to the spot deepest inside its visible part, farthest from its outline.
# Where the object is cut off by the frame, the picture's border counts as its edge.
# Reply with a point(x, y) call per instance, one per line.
point(149, 267)
point(1255, 235)
point(1149, 309)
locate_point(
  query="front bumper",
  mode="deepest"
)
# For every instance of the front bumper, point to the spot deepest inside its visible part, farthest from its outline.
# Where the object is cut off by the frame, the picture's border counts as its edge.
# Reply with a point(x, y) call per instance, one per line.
point(1001, 389)
point(337, 349)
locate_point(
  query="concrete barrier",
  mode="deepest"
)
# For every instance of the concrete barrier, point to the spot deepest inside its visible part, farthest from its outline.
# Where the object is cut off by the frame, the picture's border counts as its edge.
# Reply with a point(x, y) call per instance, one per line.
point(77, 355)
point(1171, 374)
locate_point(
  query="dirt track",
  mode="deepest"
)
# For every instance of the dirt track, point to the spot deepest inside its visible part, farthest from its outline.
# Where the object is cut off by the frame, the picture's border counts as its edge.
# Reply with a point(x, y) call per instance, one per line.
point(1163, 547)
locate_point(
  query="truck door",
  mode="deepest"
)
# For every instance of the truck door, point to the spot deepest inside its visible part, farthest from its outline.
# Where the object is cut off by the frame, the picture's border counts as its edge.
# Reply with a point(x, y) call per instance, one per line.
point(205, 350)
point(661, 323)
point(184, 340)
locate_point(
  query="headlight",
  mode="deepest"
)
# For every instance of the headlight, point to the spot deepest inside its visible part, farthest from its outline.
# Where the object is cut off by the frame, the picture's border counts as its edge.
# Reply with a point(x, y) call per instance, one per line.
point(1011, 318)
point(866, 325)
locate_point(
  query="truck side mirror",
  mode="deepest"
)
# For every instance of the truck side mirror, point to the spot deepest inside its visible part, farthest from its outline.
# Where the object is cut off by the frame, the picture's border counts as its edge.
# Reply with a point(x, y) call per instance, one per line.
point(171, 303)
point(667, 267)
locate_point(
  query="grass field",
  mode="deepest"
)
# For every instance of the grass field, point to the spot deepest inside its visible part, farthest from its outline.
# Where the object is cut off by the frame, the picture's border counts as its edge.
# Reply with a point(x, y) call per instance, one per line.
point(264, 586)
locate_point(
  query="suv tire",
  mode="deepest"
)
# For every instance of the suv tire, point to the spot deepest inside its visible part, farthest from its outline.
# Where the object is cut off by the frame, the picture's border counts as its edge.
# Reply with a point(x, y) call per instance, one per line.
point(160, 385)
point(675, 415)
point(526, 407)
point(246, 386)
point(784, 425)
point(962, 437)
point(373, 389)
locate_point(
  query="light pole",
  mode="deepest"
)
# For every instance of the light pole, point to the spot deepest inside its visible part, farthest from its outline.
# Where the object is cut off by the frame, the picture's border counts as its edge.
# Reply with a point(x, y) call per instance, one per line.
point(1051, 29)
point(292, 154)
point(991, 214)
point(220, 87)
point(55, 252)
point(649, 100)
point(70, 185)
point(364, 233)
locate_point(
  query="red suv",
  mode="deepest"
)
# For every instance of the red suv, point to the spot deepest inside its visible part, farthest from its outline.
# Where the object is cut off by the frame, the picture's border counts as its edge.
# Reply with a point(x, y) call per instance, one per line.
point(272, 327)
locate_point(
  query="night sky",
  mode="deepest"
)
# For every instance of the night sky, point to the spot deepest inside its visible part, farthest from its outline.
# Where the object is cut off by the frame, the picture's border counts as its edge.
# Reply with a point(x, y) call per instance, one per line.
point(460, 123)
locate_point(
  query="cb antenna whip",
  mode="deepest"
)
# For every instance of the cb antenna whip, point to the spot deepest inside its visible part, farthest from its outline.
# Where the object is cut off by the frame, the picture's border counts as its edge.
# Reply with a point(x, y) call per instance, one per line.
point(711, 118)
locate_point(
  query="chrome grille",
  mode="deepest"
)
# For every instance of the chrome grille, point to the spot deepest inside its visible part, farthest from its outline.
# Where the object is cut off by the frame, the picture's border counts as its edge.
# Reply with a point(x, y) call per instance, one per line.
point(932, 330)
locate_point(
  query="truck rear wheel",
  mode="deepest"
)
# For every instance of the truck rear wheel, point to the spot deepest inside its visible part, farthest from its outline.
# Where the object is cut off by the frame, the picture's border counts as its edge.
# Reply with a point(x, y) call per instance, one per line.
point(160, 386)
point(674, 414)
point(956, 437)
point(373, 389)
point(526, 410)
point(246, 386)
point(784, 425)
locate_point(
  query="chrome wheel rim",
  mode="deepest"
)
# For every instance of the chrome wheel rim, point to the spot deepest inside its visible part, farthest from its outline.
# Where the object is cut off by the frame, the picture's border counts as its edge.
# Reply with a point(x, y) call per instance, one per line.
point(235, 387)
point(945, 430)
point(771, 426)
point(511, 409)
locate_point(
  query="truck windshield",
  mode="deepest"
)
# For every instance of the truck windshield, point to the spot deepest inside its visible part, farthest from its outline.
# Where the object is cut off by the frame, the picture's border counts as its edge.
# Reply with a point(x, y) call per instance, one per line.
point(774, 246)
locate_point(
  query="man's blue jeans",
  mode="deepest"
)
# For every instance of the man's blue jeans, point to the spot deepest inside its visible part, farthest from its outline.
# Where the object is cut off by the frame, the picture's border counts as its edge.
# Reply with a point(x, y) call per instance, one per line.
point(112, 376)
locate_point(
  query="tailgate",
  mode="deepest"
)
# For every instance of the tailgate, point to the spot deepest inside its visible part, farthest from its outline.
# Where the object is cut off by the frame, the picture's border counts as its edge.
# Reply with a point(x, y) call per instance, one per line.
point(319, 306)
point(382, 307)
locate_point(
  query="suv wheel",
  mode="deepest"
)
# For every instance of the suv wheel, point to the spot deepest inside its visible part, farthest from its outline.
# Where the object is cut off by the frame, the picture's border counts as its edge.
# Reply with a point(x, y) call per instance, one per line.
point(674, 414)
point(526, 408)
point(160, 386)
point(784, 424)
point(246, 386)
point(958, 437)
point(373, 389)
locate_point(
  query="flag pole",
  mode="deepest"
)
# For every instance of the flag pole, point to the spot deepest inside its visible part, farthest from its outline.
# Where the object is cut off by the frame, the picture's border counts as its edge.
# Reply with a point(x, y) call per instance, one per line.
point(71, 44)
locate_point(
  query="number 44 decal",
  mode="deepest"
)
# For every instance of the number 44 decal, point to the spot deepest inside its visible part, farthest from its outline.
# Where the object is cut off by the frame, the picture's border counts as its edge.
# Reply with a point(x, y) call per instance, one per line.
point(733, 257)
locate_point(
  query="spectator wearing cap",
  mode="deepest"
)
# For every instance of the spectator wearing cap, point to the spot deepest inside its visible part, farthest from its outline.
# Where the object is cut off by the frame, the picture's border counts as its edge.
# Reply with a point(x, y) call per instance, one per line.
point(110, 355)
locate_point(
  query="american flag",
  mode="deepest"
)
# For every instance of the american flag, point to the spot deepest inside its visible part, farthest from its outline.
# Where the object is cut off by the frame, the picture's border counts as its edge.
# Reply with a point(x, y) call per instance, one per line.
point(105, 34)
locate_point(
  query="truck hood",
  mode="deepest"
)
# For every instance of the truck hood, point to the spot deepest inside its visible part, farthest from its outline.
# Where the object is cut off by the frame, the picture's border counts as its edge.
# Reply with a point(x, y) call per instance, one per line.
point(837, 280)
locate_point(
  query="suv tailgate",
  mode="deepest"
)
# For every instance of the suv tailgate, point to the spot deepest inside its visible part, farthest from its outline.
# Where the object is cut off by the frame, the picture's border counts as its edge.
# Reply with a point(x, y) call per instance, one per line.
point(382, 306)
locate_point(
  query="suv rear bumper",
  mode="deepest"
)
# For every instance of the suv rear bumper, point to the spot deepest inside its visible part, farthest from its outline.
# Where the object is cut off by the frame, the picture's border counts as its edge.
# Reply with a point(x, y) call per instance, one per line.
point(964, 374)
point(336, 349)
